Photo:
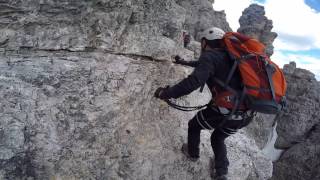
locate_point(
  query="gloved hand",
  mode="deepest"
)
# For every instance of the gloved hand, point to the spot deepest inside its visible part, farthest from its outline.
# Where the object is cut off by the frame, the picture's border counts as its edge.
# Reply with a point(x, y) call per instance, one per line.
point(162, 93)
point(178, 59)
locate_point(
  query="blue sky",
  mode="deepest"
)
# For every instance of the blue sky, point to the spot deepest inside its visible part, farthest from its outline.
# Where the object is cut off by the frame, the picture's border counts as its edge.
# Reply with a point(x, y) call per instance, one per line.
point(297, 23)
point(315, 4)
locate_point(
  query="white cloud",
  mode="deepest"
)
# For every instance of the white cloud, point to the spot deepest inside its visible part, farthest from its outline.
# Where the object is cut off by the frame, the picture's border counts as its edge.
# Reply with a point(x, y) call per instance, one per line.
point(233, 9)
point(302, 61)
point(296, 24)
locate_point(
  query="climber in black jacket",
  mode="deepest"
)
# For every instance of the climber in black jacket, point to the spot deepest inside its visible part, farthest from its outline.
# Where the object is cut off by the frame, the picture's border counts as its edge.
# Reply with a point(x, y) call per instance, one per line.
point(213, 63)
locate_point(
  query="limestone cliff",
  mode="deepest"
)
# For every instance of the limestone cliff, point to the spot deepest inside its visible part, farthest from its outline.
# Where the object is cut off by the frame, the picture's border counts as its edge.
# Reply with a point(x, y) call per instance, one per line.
point(76, 92)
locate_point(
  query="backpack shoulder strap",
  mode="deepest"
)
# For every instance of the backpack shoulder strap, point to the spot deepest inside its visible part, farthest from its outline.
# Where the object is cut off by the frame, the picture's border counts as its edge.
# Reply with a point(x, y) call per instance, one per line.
point(270, 70)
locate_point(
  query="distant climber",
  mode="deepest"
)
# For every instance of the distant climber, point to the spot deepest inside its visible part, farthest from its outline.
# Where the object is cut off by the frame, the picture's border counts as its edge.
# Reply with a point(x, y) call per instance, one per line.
point(186, 39)
point(213, 67)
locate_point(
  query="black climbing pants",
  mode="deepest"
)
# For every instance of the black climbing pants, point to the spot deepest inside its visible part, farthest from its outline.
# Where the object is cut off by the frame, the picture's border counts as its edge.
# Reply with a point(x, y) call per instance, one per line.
point(210, 118)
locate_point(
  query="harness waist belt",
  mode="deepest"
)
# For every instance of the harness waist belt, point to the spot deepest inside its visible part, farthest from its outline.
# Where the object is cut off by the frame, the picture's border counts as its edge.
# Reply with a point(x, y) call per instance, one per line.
point(239, 115)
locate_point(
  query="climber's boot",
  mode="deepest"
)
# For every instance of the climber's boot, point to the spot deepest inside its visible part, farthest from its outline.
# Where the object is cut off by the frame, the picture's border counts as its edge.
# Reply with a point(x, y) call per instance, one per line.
point(214, 174)
point(220, 177)
point(185, 151)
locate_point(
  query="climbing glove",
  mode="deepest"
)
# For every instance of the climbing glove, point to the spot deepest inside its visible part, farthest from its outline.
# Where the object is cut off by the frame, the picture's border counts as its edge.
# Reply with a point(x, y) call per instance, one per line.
point(162, 93)
point(178, 60)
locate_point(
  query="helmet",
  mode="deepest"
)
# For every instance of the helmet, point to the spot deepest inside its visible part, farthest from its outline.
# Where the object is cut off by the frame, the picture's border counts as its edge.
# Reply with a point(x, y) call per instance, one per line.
point(212, 33)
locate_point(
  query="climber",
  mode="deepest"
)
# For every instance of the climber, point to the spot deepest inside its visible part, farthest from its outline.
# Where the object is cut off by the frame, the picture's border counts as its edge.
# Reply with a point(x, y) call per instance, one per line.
point(186, 39)
point(211, 64)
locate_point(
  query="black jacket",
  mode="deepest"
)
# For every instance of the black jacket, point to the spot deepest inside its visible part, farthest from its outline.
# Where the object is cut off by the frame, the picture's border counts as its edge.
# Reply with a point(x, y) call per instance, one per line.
point(211, 64)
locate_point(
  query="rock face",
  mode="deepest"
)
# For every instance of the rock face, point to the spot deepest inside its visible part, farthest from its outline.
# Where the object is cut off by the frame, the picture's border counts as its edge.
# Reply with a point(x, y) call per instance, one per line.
point(260, 128)
point(298, 127)
point(76, 92)
point(301, 161)
point(254, 23)
point(301, 114)
point(200, 16)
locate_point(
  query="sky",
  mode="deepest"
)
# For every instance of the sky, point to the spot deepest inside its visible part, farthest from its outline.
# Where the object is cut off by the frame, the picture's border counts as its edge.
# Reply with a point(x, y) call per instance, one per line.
point(297, 23)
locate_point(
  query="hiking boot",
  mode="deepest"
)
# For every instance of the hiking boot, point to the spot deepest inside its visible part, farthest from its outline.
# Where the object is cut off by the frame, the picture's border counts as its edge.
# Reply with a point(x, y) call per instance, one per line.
point(185, 151)
point(220, 177)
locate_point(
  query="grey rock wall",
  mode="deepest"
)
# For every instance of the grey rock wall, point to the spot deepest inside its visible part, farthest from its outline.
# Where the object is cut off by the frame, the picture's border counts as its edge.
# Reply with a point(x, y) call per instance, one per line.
point(200, 16)
point(300, 161)
point(92, 115)
point(303, 106)
point(76, 92)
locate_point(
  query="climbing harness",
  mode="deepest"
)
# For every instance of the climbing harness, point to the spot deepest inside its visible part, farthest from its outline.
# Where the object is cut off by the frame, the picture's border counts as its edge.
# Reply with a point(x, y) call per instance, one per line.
point(185, 108)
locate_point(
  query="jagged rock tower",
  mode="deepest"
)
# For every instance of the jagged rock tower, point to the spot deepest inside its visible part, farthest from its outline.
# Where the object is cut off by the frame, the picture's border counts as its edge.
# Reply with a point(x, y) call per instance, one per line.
point(254, 23)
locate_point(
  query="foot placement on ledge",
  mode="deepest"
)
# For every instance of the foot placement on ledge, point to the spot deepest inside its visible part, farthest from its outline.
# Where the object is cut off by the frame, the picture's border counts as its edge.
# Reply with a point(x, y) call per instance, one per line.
point(220, 177)
point(184, 150)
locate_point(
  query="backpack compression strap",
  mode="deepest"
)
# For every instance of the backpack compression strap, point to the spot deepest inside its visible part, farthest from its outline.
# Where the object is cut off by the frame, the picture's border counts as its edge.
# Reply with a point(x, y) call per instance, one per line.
point(270, 70)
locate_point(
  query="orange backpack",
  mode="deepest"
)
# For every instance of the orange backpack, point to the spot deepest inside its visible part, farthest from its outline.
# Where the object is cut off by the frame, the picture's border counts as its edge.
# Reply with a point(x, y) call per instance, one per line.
point(264, 85)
